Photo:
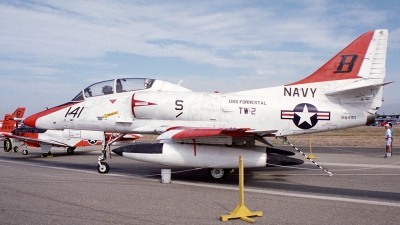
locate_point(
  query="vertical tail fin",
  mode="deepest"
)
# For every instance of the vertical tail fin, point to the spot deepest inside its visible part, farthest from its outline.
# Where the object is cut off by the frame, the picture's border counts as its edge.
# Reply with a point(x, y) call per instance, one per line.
point(374, 63)
point(365, 57)
point(19, 113)
point(9, 123)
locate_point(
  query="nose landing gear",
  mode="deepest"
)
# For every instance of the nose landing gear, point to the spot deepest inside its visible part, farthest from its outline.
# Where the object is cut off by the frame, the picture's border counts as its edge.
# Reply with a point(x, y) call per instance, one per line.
point(103, 167)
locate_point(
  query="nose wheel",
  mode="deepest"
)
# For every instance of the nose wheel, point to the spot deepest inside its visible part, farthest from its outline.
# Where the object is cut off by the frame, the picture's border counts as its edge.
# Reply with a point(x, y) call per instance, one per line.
point(25, 150)
point(103, 167)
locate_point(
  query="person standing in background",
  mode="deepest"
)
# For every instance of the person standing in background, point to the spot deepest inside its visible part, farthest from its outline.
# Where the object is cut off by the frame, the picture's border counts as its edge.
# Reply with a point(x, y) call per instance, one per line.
point(388, 141)
point(392, 132)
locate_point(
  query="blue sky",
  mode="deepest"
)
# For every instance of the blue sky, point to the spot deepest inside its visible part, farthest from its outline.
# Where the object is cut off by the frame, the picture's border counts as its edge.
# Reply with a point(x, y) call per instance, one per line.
point(50, 50)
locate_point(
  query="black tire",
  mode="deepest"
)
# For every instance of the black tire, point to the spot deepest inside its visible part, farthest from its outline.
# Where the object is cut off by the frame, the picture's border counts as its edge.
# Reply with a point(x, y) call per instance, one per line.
point(104, 168)
point(15, 148)
point(70, 150)
point(24, 152)
point(217, 174)
point(7, 145)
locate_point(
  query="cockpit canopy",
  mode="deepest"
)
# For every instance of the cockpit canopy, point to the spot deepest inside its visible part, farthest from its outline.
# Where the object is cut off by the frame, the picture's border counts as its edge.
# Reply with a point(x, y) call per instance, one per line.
point(114, 86)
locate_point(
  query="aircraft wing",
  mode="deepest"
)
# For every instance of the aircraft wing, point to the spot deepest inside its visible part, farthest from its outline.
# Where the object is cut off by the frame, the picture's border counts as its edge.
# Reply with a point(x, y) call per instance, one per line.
point(214, 135)
point(4, 134)
point(40, 141)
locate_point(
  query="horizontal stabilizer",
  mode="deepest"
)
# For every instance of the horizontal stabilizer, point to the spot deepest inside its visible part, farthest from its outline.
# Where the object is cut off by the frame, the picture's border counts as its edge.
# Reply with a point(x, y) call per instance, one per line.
point(355, 88)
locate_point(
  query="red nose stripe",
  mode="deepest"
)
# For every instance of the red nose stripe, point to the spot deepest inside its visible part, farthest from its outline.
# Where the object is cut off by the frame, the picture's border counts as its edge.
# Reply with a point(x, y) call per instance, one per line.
point(30, 121)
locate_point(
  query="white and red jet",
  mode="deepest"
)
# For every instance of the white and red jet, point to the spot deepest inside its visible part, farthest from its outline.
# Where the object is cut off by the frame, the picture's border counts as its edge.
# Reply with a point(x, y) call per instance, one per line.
point(10, 122)
point(212, 129)
point(67, 138)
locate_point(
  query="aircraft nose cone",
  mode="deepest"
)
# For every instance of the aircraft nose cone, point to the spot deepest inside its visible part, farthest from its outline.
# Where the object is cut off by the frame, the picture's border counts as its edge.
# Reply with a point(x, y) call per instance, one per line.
point(46, 117)
point(30, 121)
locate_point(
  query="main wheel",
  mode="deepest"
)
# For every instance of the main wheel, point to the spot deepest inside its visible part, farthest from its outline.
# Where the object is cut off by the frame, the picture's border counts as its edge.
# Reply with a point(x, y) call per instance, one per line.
point(7, 145)
point(217, 174)
point(70, 150)
point(104, 168)
point(24, 152)
point(15, 148)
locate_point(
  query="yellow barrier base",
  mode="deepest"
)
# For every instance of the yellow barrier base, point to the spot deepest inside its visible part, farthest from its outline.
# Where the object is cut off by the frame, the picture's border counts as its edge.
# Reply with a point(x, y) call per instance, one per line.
point(311, 156)
point(243, 213)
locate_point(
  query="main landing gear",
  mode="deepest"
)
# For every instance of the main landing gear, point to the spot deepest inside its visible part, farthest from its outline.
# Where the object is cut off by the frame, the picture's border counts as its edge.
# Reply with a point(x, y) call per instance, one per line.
point(217, 174)
point(102, 166)
point(70, 150)
point(8, 145)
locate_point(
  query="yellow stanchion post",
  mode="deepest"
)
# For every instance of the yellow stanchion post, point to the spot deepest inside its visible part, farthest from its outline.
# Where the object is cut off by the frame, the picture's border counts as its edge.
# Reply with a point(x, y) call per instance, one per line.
point(241, 211)
point(311, 156)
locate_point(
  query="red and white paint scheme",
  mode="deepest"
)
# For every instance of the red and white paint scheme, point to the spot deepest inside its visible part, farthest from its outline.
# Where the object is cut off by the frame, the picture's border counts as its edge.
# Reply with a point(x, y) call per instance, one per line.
point(210, 129)
point(11, 121)
point(69, 139)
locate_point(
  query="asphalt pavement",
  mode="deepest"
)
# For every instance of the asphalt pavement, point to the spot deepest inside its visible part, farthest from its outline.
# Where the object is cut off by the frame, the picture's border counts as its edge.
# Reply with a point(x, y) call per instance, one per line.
point(67, 189)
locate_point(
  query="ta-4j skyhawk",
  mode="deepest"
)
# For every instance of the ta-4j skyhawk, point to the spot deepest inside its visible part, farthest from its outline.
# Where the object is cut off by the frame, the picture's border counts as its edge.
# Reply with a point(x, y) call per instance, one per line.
point(211, 130)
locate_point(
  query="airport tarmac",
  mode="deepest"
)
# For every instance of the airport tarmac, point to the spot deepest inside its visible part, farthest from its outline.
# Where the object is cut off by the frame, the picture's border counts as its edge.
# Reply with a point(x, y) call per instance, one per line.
point(67, 189)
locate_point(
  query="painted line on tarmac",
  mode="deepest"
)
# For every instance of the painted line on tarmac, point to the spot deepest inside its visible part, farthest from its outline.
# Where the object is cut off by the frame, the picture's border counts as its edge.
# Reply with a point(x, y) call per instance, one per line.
point(321, 175)
point(349, 200)
point(358, 167)
point(375, 166)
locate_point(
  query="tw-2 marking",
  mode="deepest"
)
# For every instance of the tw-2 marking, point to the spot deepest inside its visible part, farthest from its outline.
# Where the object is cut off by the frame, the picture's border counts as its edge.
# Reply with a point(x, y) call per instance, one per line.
point(251, 111)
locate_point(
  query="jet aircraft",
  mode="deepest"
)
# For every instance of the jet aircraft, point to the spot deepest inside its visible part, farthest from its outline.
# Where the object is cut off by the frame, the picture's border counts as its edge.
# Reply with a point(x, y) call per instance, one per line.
point(211, 130)
point(9, 123)
point(67, 138)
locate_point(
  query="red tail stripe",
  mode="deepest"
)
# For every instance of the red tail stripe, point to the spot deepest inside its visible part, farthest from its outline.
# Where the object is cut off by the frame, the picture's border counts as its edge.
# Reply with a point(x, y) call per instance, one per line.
point(358, 47)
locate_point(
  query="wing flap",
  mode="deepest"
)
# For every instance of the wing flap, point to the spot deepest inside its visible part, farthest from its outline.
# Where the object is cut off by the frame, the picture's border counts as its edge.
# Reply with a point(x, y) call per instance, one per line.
point(204, 135)
point(192, 132)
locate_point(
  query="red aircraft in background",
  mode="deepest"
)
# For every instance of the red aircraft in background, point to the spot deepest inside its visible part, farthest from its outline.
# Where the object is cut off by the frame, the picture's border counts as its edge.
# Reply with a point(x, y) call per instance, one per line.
point(45, 139)
point(9, 123)
point(70, 139)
